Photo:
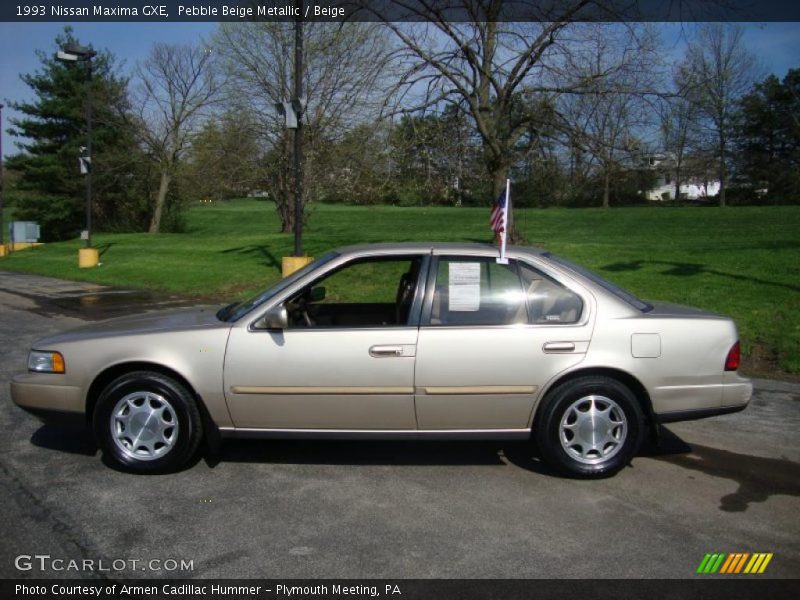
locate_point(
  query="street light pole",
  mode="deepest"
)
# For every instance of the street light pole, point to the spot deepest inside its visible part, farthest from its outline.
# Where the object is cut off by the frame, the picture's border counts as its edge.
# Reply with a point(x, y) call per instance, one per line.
point(298, 132)
point(87, 257)
point(89, 151)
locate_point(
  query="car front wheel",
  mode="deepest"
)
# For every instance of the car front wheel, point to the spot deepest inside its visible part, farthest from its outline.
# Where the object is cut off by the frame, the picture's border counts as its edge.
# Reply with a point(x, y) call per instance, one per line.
point(147, 422)
point(590, 427)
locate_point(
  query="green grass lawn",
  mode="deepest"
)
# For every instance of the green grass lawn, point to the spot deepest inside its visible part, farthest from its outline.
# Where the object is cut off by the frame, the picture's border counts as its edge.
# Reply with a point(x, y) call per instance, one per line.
point(743, 262)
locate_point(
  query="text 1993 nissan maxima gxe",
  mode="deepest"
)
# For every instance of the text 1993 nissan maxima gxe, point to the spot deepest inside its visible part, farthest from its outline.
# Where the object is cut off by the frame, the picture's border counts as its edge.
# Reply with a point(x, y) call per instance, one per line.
point(423, 341)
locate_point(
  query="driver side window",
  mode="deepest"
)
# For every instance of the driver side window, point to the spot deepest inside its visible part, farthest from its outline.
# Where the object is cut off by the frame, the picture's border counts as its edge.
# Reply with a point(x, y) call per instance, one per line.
point(372, 292)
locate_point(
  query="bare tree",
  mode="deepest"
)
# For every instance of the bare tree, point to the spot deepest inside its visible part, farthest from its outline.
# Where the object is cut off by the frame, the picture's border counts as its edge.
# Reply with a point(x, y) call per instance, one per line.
point(176, 83)
point(607, 119)
point(678, 124)
point(345, 71)
point(497, 72)
point(720, 70)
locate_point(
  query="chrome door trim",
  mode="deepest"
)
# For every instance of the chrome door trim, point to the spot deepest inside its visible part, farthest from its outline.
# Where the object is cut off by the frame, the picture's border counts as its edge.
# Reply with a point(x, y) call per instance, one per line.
point(478, 389)
point(319, 390)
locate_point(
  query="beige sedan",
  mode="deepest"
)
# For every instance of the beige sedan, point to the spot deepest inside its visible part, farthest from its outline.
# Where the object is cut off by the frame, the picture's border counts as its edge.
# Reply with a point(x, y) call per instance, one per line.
point(424, 341)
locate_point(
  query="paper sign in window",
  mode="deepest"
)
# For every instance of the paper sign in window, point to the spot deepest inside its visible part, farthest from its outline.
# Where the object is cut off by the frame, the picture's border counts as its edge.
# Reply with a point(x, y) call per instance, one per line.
point(464, 289)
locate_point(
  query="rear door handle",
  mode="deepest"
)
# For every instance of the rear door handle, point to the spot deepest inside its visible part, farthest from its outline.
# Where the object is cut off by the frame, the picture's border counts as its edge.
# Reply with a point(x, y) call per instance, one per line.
point(552, 347)
point(385, 351)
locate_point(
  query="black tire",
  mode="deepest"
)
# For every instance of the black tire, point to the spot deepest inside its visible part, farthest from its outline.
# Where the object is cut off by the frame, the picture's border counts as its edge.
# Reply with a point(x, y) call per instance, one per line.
point(178, 407)
point(563, 404)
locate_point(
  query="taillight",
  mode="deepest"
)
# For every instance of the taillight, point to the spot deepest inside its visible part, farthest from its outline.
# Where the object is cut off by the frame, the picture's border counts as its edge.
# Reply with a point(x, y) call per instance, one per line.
point(734, 358)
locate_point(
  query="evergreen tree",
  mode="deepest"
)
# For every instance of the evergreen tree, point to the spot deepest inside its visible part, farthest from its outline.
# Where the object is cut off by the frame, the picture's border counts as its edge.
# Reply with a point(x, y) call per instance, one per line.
point(52, 131)
point(769, 138)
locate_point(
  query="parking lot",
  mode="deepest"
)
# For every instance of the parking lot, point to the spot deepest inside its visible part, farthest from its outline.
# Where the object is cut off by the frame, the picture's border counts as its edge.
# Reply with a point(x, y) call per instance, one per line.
point(386, 509)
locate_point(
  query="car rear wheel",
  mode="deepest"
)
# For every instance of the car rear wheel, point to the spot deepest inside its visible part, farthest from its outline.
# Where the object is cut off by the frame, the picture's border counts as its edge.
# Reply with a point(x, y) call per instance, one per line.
point(590, 427)
point(147, 422)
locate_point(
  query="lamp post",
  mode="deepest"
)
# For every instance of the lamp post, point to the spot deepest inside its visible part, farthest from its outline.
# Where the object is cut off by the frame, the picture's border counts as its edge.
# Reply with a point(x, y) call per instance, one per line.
point(298, 133)
point(87, 257)
point(293, 113)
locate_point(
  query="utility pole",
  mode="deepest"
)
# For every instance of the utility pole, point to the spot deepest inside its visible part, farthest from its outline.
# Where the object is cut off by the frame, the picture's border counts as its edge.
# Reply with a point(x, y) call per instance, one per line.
point(87, 256)
point(298, 131)
point(89, 151)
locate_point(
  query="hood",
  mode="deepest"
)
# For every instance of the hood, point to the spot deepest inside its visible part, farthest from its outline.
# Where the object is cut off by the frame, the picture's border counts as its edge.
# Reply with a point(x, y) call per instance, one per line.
point(200, 317)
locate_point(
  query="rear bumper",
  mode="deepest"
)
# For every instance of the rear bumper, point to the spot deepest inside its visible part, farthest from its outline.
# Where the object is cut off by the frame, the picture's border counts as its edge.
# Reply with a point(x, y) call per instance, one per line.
point(730, 397)
point(700, 413)
point(49, 401)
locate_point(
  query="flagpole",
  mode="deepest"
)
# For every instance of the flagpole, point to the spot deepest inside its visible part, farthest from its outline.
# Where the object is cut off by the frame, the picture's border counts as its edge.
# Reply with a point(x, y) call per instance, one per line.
point(504, 235)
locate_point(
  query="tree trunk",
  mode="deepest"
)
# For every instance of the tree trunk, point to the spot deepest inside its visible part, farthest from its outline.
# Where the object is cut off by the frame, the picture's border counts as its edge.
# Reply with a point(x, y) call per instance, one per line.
point(283, 185)
point(722, 173)
point(285, 205)
point(606, 188)
point(161, 199)
point(499, 176)
point(677, 184)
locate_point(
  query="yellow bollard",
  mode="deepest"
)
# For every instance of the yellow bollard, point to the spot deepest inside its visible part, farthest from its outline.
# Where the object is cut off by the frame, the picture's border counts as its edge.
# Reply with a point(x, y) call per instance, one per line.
point(3, 250)
point(88, 257)
point(290, 264)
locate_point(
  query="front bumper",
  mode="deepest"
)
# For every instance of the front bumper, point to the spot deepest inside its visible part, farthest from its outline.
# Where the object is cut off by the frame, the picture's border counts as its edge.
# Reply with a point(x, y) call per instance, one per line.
point(45, 397)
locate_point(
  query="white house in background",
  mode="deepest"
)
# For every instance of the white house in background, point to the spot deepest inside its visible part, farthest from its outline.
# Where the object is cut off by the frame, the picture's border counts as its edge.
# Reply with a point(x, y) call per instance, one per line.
point(664, 189)
point(692, 187)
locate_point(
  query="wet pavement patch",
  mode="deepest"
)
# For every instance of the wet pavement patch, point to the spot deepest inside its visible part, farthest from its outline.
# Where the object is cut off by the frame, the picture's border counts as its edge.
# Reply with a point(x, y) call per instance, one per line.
point(758, 477)
point(113, 303)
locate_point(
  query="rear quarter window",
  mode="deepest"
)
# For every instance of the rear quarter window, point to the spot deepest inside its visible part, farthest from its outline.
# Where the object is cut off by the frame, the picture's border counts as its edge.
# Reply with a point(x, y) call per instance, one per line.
point(548, 301)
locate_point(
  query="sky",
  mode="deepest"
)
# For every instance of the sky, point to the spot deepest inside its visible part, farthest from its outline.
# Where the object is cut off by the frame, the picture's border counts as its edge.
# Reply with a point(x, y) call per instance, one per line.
point(777, 45)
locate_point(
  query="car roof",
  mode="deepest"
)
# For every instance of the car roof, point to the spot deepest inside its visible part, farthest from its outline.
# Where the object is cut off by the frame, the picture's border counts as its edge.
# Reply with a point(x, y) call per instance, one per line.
point(437, 248)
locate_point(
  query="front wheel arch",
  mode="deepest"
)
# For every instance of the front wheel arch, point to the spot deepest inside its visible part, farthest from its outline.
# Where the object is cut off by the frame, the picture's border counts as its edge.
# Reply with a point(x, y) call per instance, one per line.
point(113, 372)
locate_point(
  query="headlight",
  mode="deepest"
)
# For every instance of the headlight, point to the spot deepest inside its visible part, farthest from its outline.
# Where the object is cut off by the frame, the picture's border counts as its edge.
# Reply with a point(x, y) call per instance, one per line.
point(46, 362)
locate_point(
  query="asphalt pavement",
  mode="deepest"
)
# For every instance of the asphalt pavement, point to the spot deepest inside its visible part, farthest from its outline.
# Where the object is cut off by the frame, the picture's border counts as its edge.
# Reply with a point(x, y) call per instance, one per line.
point(296, 509)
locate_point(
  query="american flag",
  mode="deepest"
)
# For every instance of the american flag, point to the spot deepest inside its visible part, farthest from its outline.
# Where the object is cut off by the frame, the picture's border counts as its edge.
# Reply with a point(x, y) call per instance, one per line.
point(497, 219)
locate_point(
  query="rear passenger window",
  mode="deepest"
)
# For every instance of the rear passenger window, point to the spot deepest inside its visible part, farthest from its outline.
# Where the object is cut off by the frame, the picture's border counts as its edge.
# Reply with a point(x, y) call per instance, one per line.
point(549, 302)
point(477, 291)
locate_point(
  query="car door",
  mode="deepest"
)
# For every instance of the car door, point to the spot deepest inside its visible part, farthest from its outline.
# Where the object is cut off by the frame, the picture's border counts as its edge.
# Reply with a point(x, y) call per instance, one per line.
point(492, 335)
point(346, 359)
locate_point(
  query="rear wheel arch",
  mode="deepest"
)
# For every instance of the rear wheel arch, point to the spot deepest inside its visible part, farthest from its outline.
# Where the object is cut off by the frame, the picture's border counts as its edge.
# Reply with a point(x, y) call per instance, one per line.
point(631, 382)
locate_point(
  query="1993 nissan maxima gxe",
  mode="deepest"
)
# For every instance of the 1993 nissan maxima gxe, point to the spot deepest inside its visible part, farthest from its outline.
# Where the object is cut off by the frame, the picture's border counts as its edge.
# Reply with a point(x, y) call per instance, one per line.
point(423, 341)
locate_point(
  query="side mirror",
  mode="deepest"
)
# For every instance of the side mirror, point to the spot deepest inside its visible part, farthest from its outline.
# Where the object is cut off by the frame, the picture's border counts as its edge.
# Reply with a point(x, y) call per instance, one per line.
point(316, 294)
point(274, 318)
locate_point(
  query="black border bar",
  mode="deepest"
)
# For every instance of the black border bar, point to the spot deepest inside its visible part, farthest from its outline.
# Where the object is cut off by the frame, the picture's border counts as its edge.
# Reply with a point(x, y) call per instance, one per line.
point(399, 10)
point(741, 587)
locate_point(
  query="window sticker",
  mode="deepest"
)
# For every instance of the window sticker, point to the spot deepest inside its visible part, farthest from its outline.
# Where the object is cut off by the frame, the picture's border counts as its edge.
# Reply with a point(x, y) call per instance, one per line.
point(464, 289)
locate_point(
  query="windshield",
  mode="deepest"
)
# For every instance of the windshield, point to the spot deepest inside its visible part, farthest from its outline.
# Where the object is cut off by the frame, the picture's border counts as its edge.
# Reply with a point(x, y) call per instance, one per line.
point(235, 311)
point(605, 284)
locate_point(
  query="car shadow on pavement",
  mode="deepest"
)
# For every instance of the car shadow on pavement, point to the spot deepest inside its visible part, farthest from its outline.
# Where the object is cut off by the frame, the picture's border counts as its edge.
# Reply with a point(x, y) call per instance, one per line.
point(374, 452)
point(71, 439)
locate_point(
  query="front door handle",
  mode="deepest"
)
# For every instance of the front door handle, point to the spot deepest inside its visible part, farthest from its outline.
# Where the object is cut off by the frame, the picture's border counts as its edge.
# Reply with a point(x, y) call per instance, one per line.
point(552, 347)
point(385, 351)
